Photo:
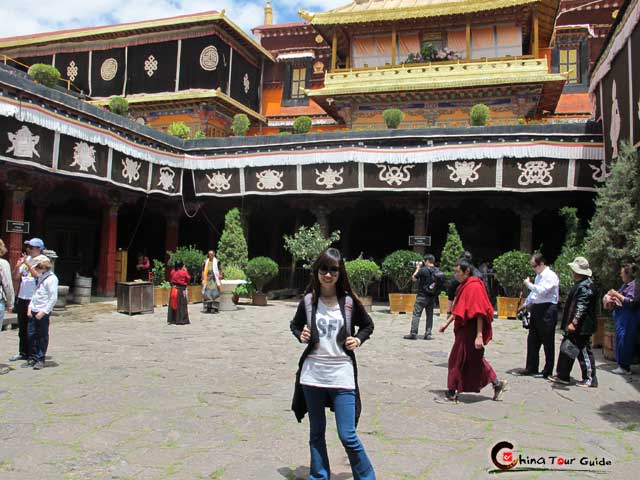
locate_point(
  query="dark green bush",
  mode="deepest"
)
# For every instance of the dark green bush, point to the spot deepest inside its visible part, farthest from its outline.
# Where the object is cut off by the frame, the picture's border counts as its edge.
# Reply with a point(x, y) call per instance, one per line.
point(119, 105)
point(479, 115)
point(46, 75)
point(302, 124)
point(392, 117)
point(240, 124)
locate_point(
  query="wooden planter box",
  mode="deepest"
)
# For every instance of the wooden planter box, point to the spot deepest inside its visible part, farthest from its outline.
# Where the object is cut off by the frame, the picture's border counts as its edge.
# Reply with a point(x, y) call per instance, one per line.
point(367, 303)
point(598, 338)
point(259, 299)
point(161, 296)
point(401, 302)
point(194, 293)
point(508, 307)
point(443, 302)
point(609, 340)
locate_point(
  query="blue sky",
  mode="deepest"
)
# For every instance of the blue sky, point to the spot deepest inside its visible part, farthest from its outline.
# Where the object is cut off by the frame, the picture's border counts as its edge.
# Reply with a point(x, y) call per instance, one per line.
point(23, 17)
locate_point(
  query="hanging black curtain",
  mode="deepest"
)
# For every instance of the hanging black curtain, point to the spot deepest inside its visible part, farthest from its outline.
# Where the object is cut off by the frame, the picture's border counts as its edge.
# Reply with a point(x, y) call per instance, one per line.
point(152, 68)
point(75, 67)
point(244, 81)
point(204, 63)
point(107, 72)
point(46, 59)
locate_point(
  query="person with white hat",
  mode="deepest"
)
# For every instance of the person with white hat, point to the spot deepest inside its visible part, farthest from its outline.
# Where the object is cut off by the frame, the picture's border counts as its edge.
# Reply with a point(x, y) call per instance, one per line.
point(22, 273)
point(579, 323)
point(42, 302)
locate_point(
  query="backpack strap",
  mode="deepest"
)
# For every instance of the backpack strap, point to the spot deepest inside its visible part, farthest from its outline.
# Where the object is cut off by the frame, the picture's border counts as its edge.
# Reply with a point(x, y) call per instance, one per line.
point(308, 307)
point(348, 313)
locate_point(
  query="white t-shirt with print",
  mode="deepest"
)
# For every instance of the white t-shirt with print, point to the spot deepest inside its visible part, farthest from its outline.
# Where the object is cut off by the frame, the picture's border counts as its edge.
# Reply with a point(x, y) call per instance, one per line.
point(328, 365)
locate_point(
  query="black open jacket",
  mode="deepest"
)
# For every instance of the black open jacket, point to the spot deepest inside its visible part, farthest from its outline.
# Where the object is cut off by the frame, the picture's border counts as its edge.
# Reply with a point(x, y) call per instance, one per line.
point(359, 318)
point(580, 308)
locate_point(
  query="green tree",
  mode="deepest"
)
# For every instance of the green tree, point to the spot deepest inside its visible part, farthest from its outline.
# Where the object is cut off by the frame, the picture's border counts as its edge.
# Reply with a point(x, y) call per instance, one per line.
point(308, 243)
point(261, 270)
point(399, 266)
point(479, 115)
point(452, 249)
point(119, 106)
point(392, 117)
point(180, 130)
point(571, 249)
point(362, 273)
point(191, 257)
point(240, 124)
point(232, 247)
point(614, 234)
point(511, 268)
point(302, 124)
point(44, 74)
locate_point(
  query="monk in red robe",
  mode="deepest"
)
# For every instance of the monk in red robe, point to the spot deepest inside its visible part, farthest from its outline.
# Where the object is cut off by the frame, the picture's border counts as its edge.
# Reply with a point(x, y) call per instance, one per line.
point(472, 315)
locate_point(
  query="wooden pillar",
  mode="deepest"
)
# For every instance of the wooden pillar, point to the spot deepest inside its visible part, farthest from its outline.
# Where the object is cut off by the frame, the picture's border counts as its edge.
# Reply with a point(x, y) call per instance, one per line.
point(526, 230)
point(334, 50)
point(108, 239)
point(322, 217)
point(172, 233)
point(393, 46)
point(536, 35)
point(14, 200)
point(419, 227)
point(468, 48)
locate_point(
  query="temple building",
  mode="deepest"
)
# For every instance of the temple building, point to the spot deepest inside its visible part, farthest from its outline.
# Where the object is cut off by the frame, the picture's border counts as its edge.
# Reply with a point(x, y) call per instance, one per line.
point(92, 183)
point(200, 69)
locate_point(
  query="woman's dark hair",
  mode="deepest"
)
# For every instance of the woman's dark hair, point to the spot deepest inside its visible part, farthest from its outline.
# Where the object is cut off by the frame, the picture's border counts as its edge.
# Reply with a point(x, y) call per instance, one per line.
point(178, 265)
point(465, 266)
point(630, 269)
point(329, 258)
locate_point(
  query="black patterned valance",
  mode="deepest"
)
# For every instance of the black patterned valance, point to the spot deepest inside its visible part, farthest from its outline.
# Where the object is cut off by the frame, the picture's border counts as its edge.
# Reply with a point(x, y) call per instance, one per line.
point(74, 67)
point(204, 63)
point(245, 80)
point(152, 68)
point(23, 142)
point(108, 69)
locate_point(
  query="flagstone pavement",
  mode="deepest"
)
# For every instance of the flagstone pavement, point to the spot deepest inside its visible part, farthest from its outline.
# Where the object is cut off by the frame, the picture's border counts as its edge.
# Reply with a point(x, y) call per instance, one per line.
point(130, 397)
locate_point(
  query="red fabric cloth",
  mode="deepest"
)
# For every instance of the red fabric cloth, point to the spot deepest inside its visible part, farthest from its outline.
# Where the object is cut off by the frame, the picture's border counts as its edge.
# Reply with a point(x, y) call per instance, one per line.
point(469, 371)
point(174, 299)
point(180, 277)
point(470, 302)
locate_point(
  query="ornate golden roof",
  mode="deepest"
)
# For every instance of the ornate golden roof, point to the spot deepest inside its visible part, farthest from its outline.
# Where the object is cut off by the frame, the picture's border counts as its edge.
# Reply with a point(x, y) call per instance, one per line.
point(360, 11)
point(436, 76)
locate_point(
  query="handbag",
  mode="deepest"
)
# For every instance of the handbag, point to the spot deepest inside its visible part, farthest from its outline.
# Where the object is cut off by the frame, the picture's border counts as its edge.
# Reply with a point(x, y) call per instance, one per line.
point(569, 348)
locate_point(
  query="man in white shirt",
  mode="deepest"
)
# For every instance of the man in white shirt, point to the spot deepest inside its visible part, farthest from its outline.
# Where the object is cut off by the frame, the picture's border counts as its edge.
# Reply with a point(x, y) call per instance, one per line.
point(542, 303)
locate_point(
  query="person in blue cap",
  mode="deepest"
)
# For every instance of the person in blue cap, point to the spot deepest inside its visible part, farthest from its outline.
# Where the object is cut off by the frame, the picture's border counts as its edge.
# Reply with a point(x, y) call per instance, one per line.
point(23, 274)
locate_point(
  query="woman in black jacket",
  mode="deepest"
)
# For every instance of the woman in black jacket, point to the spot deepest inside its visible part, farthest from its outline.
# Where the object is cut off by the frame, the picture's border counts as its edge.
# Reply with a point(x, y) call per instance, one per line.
point(327, 376)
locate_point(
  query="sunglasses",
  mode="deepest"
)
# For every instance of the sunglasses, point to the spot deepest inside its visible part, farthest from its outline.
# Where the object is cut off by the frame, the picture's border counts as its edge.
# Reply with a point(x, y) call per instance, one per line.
point(334, 271)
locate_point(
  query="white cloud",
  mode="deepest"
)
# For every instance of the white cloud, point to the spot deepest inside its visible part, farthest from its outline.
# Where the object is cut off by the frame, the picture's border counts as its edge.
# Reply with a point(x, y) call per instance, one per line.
point(46, 16)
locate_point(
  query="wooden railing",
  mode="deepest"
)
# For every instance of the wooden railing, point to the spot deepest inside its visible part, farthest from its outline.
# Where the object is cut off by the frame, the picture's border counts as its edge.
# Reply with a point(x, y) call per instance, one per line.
point(68, 84)
point(438, 63)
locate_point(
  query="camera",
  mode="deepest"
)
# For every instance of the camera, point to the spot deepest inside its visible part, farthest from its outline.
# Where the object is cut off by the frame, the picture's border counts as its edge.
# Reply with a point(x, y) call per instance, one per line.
point(415, 263)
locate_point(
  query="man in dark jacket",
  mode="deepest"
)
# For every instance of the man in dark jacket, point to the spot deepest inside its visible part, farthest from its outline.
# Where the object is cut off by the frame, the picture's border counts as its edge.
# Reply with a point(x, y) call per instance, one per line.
point(430, 280)
point(579, 323)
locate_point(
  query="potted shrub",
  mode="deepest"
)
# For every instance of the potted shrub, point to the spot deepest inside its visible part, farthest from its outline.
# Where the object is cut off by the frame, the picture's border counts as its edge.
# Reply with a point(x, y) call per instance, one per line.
point(363, 273)
point(302, 124)
point(399, 266)
point(161, 287)
point(232, 246)
point(240, 124)
point(510, 270)
point(46, 75)
point(261, 270)
point(193, 259)
point(119, 106)
point(392, 117)
point(479, 115)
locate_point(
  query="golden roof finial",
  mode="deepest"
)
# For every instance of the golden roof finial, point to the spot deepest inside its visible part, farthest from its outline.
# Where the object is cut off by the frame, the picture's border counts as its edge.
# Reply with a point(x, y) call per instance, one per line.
point(268, 14)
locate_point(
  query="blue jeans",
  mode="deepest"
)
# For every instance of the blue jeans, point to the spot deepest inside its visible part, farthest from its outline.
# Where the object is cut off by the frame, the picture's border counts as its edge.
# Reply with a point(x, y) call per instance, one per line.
point(2, 310)
point(344, 402)
point(38, 331)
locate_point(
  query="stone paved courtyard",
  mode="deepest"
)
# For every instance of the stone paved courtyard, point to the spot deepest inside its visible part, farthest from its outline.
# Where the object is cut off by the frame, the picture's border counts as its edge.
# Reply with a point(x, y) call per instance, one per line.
point(132, 397)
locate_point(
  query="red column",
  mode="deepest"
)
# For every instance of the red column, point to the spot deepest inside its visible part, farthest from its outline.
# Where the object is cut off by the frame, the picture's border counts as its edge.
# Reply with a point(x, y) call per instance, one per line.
point(108, 238)
point(15, 211)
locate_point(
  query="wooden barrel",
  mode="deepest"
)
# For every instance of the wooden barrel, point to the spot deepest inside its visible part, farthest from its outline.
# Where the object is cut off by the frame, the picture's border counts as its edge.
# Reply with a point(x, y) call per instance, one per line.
point(82, 290)
point(609, 341)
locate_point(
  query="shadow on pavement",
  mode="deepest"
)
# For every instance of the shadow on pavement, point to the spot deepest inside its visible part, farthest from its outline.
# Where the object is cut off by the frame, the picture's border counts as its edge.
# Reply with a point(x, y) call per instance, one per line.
point(302, 473)
point(623, 415)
